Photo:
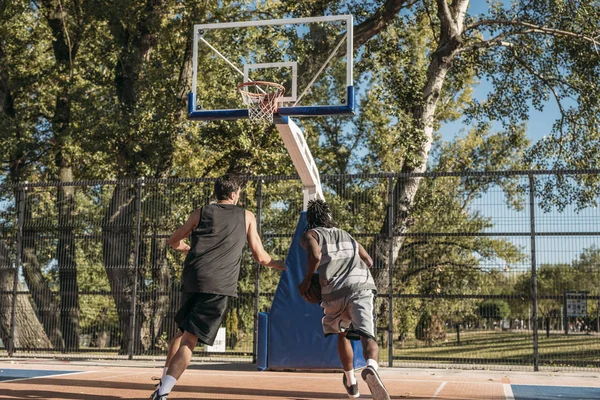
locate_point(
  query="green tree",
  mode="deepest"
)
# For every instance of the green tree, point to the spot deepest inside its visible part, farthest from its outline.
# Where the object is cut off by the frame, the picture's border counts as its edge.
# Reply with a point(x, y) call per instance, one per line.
point(109, 102)
point(494, 309)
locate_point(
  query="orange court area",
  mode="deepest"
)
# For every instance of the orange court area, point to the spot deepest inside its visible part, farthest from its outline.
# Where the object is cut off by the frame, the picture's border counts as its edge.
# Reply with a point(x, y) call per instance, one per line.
point(115, 380)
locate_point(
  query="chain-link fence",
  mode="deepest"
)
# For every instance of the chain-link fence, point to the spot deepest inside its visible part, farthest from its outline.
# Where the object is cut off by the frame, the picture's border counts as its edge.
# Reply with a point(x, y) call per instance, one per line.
point(474, 269)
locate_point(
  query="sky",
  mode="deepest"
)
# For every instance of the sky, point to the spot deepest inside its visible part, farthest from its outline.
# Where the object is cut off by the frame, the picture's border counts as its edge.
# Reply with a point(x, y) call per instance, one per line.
point(549, 249)
point(539, 124)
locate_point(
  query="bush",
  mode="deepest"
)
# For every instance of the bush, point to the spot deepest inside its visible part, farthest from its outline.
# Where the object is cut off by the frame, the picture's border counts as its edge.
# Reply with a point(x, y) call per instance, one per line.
point(430, 328)
point(494, 309)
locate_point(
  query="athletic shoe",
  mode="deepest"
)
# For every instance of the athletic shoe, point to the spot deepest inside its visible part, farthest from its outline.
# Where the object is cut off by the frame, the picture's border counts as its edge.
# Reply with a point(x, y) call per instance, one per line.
point(156, 396)
point(352, 389)
point(378, 390)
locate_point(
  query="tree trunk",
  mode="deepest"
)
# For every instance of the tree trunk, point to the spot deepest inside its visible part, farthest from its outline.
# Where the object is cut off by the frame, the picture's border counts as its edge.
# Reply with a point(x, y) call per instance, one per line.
point(7, 274)
point(29, 333)
point(161, 276)
point(39, 288)
point(66, 44)
point(117, 250)
point(405, 188)
point(136, 42)
point(43, 297)
point(67, 265)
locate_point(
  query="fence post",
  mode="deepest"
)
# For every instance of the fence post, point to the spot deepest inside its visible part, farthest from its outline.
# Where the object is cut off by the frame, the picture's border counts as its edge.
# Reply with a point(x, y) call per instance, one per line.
point(533, 273)
point(565, 315)
point(136, 254)
point(390, 229)
point(257, 272)
point(20, 200)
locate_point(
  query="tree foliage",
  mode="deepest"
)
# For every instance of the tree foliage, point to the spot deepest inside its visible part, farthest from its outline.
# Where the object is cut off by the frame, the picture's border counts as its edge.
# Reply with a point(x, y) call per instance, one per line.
point(97, 90)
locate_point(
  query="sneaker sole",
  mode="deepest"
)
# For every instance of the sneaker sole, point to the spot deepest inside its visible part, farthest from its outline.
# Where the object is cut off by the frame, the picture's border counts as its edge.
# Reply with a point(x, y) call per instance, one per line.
point(376, 387)
point(353, 396)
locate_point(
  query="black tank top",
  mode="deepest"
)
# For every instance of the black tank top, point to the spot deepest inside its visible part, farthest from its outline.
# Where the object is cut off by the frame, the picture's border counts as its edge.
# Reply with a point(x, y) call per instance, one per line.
point(213, 263)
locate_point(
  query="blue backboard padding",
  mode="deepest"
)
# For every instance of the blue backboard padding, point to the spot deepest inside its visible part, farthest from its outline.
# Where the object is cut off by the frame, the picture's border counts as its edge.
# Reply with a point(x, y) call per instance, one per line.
point(296, 338)
point(303, 111)
point(536, 392)
point(11, 374)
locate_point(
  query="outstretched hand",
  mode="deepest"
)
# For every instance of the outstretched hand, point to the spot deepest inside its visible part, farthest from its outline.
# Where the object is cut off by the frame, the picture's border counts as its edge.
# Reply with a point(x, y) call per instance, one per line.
point(278, 265)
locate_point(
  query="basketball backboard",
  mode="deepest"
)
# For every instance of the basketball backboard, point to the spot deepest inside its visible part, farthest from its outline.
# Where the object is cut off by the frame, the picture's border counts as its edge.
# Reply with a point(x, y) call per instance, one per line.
point(311, 57)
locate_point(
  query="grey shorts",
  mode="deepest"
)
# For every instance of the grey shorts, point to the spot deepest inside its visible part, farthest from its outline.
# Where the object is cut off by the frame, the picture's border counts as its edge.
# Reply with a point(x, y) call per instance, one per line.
point(353, 314)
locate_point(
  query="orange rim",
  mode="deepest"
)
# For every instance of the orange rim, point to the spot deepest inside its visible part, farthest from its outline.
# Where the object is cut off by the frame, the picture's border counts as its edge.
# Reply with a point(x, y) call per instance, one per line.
point(280, 89)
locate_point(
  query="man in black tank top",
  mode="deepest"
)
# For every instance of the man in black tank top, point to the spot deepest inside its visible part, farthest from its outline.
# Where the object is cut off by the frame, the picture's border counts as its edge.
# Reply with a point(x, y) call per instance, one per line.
point(218, 234)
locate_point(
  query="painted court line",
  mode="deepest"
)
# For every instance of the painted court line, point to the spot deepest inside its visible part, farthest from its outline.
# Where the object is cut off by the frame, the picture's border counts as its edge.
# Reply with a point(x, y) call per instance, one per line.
point(439, 390)
point(120, 375)
point(332, 376)
point(46, 376)
point(508, 393)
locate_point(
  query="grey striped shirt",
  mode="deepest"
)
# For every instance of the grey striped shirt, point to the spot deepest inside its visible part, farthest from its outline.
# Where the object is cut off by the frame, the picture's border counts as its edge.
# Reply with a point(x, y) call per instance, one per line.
point(341, 271)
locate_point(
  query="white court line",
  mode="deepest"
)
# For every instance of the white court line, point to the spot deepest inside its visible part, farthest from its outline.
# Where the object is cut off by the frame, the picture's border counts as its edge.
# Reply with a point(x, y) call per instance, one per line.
point(508, 393)
point(439, 390)
point(45, 376)
point(333, 376)
point(120, 375)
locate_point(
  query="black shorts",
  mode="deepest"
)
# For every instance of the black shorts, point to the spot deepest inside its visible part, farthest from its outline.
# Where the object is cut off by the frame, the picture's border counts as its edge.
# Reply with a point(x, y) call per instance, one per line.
point(201, 315)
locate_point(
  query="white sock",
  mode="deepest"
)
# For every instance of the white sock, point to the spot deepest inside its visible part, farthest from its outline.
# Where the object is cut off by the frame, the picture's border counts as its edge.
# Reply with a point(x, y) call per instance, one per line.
point(166, 384)
point(372, 363)
point(165, 369)
point(350, 378)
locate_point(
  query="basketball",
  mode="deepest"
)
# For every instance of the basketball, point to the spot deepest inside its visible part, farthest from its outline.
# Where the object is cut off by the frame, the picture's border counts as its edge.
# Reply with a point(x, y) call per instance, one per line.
point(313, 295)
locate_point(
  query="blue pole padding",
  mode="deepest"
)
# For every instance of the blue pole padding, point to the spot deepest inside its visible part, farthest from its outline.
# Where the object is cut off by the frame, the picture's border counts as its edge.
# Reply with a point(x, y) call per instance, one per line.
point(263, 341)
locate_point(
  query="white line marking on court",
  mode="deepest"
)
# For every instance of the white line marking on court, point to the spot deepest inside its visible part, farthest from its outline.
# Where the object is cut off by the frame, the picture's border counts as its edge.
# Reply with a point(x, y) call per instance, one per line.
point(332, 376)
point(439, 390)
point(46, 376)
point(119, 375)
point(508, 393)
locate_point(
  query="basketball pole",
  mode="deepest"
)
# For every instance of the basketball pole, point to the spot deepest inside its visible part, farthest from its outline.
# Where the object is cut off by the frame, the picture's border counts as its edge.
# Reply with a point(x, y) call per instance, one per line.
point(296, 145)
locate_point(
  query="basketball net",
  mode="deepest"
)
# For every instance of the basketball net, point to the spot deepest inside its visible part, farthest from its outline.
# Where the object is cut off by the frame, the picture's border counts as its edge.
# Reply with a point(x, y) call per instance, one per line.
point(261, 98)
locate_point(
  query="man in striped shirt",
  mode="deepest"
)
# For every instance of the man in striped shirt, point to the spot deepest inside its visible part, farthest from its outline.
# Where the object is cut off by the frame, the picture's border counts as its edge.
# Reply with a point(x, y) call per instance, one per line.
point(347, 291)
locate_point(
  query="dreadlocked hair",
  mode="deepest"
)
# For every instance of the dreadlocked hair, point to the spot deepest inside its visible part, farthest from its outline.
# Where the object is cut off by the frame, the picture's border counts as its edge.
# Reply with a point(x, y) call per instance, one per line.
point(319, 215)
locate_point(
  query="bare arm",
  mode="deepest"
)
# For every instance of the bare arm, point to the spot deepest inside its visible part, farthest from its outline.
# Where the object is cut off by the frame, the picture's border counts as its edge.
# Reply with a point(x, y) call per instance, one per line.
point(364, 255)
point(176, 239)
point(309, 242)
point(258, 252)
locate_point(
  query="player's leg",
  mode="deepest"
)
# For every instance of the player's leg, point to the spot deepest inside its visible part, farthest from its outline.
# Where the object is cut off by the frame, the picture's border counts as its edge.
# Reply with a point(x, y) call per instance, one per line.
point(345, 351)
point(180, 316)
point(361, 307)
point(177, 365)
point(182, 358)
point(370, 350)
point(336, 321)
point(346, 354)
point(173, 348)
point(199, 319)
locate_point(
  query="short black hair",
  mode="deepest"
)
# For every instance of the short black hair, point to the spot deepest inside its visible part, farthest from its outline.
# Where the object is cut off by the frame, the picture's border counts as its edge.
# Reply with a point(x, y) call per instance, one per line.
point(226, 185)
point(319, 215)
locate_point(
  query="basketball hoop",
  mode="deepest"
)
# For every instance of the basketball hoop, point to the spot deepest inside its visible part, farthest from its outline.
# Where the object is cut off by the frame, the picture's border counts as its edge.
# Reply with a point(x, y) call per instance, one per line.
point(261, 98)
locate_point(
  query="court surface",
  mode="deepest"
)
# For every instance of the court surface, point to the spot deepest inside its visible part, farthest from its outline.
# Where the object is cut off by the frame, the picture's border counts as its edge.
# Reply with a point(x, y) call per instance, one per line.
point(112, 380)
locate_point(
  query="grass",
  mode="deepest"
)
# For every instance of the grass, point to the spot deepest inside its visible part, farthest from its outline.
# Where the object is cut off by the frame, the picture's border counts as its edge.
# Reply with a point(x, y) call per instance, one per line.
point(507, 347)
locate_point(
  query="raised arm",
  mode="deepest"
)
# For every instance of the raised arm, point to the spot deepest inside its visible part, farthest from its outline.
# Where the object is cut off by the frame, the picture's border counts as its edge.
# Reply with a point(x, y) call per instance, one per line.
point(258, 252)
point(364, 255)
point(176, 239)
